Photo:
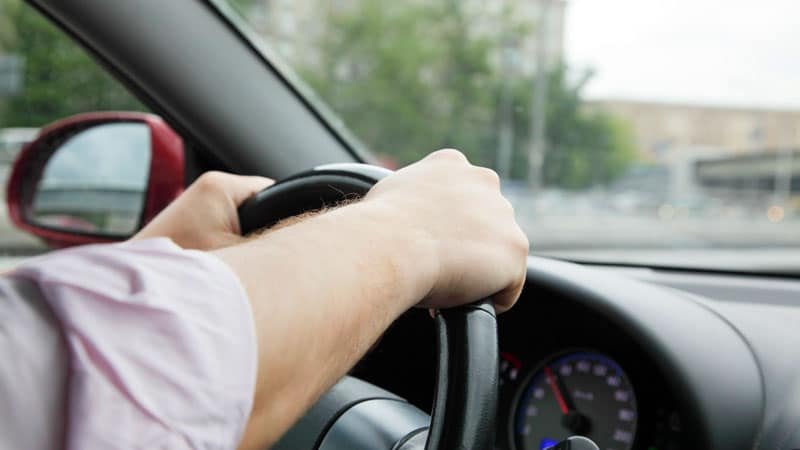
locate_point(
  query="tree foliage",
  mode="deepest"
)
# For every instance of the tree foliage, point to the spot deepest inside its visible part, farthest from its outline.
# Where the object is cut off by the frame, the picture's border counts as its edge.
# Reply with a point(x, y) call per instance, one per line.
point(409, 77)
point(59, 78)
point(406, 77)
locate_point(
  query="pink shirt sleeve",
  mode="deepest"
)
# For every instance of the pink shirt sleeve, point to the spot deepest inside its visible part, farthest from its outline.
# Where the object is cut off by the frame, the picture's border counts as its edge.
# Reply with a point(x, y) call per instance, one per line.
point(162, 345)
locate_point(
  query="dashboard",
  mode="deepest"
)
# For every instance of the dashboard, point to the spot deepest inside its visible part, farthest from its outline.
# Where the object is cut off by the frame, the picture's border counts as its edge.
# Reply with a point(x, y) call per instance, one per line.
point(581, 377)
point(634, 359)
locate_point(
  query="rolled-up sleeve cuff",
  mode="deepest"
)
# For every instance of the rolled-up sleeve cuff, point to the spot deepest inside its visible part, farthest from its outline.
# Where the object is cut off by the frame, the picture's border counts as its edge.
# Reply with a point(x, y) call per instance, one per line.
point(162, 344)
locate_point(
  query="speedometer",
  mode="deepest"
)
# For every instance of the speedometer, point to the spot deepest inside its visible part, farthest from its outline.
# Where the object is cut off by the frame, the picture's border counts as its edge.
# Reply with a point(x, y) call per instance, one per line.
point(578, 393)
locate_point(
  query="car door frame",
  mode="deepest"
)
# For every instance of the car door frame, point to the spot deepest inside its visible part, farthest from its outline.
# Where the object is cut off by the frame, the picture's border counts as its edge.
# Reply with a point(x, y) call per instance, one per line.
point(195, 64)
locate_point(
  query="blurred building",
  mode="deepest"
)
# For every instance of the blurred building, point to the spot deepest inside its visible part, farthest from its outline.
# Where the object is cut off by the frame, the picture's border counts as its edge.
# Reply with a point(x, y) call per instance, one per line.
point(719, 150)
point(663, 130)
point(293, 27)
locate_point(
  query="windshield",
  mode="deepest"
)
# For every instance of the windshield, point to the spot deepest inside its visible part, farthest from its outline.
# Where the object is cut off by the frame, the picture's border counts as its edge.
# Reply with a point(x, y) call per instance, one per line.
point(644, 132)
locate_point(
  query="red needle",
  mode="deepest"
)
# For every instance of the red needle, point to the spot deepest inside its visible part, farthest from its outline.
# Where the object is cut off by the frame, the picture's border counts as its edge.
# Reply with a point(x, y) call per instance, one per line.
point(551, 380)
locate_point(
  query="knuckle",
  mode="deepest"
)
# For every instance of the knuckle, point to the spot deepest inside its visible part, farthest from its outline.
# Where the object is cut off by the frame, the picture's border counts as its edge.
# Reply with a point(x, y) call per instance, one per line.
point(508, 205)
point(489, 175)
point(210, 180)
point(519, 241)
point(524, 245)
point(449, 154)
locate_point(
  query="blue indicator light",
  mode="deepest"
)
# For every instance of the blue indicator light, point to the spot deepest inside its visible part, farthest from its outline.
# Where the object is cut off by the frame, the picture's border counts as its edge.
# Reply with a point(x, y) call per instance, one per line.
point(547, 443)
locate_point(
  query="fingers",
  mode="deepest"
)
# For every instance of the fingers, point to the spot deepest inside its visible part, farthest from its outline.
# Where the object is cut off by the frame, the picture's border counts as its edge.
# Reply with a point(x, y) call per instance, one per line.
point(518, 248)
point(497, 226)
point(505, 299)
point(489, 176)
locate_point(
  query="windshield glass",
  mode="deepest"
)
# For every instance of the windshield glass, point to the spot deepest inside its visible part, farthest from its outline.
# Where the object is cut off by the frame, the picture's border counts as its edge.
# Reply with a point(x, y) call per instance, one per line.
point(625, 131)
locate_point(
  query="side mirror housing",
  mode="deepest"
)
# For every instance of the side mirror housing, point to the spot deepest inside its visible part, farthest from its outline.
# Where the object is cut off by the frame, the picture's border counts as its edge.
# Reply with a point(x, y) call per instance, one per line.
point(95, 177)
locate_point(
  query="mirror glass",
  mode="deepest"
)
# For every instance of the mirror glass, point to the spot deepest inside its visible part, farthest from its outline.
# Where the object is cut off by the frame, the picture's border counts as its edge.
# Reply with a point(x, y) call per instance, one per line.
point(96, 181)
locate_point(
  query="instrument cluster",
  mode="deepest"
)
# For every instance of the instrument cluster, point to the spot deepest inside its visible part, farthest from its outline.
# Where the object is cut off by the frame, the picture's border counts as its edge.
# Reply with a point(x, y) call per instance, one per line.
point(593, 382)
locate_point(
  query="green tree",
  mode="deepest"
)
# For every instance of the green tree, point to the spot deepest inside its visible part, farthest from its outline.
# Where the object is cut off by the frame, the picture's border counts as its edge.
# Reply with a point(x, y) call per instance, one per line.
point(408, 77)
point(59, 78)
point(242, 7)
point(583, 148)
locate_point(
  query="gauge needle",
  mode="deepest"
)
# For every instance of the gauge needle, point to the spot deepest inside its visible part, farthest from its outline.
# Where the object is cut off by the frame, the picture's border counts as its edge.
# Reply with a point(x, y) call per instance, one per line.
point(571, 418)
point(554, 385)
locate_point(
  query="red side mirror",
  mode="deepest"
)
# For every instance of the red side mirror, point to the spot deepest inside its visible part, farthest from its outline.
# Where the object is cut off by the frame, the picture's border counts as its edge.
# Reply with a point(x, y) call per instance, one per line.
point(95, 177)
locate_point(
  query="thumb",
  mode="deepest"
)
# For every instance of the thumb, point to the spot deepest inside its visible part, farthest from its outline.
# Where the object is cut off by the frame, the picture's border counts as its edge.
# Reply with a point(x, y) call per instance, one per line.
point(241, 187)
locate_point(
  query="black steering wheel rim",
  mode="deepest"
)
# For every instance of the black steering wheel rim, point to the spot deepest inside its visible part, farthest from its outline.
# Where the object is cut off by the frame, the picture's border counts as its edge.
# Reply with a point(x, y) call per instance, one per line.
point(465, 403)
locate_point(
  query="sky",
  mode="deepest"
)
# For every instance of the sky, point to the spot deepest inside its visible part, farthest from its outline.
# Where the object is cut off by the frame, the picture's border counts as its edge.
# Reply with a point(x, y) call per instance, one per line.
point(718, 52)
point(118, 156)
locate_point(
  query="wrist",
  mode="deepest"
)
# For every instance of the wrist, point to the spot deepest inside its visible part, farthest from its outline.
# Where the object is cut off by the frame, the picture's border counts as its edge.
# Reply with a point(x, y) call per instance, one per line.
point(409, 249)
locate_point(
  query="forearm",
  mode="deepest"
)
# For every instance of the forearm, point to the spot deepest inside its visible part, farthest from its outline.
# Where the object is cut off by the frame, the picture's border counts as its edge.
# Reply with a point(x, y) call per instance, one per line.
point(322, 291)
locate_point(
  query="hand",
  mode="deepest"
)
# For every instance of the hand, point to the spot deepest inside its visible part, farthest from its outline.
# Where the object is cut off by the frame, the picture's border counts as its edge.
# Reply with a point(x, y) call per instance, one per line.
point(476, 246)
point(205, 217)
point(437, 230)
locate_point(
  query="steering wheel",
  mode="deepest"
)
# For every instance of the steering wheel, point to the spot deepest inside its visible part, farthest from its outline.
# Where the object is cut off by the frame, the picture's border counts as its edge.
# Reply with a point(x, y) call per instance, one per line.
point(356, 415)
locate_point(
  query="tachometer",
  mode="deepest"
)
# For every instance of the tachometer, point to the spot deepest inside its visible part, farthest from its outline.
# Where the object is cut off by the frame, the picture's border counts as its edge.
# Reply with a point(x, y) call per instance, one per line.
point(579, 393)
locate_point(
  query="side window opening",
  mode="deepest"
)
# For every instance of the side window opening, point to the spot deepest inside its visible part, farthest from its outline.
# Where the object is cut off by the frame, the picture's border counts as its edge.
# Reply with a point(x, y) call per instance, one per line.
point(44, 77)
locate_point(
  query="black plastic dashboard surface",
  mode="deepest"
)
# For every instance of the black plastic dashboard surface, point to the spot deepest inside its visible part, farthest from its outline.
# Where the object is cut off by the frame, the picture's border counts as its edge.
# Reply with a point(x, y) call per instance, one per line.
point(766, 311)
point(702, 369)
